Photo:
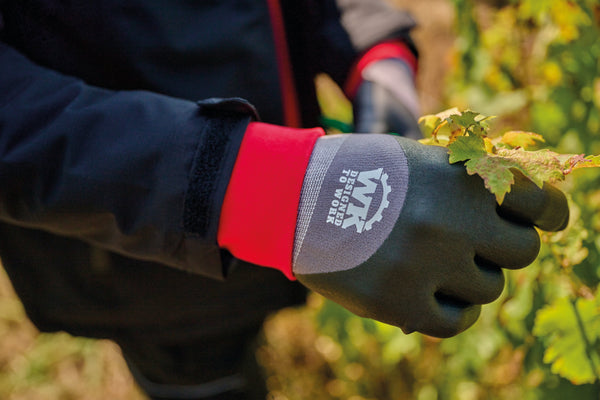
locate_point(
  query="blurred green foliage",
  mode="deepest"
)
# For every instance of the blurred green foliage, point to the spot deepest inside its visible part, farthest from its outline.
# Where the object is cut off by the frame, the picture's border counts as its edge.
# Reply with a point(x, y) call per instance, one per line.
point(536, 65)
point(544, 56)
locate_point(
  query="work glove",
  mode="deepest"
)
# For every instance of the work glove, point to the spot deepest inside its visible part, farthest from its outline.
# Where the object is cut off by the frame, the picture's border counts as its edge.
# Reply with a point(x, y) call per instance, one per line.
point(383, 92)
point(387, 228)
point(386, 101)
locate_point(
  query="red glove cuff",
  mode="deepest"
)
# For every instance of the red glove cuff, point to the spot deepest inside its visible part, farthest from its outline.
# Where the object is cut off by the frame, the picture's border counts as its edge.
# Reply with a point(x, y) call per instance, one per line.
point(258, 218)
point(391, 49)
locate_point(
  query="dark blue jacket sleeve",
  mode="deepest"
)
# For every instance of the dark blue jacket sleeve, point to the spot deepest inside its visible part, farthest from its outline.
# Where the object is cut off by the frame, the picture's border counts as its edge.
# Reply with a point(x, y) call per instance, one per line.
point(130, 171)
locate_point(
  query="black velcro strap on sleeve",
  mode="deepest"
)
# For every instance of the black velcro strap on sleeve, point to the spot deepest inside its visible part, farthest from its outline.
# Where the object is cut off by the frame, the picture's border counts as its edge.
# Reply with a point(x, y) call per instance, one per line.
point(226, 122)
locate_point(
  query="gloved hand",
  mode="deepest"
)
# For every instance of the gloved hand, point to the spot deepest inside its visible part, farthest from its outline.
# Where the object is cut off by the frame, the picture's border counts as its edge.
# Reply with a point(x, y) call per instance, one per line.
point(386, 100)
point(392, 231)
point(381, 224)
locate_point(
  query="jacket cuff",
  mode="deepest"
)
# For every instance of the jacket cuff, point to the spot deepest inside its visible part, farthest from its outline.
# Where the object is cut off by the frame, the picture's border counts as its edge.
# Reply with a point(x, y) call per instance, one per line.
point(396, 49)
point(225, 123)
point(258, 216)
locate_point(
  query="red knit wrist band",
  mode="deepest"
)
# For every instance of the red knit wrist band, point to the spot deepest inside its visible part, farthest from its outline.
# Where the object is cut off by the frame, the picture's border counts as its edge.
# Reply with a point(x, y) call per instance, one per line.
point(392, 49)
point(258, 218)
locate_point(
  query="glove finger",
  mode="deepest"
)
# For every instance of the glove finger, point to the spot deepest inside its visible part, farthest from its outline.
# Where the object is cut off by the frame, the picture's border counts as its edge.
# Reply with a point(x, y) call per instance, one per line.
point(506, 244)
point(368, 118)
point(546, 208)
point(453, 304)
point(377, 111)
point(475, 282)
point(445, 318)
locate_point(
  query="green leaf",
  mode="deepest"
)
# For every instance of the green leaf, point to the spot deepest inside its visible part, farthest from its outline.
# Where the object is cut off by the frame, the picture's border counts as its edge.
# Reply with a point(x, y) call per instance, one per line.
point(539, 166)
point(465, 148)
point(452, 123)
point(469, 121)
point(462, 120)
point(465, 134)
point(570, 328)
point(495, 172)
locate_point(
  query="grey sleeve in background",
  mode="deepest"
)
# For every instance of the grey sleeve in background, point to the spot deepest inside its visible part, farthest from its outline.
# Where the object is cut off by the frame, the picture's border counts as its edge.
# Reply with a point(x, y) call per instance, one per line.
point(371, 21)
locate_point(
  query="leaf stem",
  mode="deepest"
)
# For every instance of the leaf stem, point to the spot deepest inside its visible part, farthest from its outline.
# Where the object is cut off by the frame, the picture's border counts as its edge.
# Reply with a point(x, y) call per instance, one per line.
point(437, 129)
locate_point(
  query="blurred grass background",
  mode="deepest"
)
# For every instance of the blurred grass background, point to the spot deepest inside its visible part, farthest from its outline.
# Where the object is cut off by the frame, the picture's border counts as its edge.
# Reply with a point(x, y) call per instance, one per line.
point(42, 366)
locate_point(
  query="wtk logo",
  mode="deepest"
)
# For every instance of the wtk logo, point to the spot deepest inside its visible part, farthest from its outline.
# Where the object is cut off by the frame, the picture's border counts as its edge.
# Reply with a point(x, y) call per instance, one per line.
point(353, 203)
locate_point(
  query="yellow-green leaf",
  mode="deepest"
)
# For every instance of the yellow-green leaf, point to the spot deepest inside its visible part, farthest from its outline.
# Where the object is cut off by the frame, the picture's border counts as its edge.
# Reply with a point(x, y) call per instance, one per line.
point(539, 166)
point(465, 134)
point(521, 139)
point(465, 148)
point(495, 172)
point(570, 328)
point(577, 162)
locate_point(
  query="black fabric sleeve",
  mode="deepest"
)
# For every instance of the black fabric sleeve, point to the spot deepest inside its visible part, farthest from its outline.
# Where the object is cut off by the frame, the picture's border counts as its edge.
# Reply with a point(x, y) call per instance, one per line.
point(134, 172)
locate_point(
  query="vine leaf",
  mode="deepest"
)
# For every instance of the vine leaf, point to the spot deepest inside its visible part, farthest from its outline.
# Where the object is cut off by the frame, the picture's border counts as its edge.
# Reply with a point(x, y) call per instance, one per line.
point(495, 160)
point(570, 329)
point(495, 172)
point(539, 166)
point(521, 139)
point(466, 148)
point(580, 161)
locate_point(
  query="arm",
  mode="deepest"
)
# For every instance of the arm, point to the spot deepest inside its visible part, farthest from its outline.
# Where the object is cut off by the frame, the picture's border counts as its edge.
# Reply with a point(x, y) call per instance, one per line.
point(350, 28)
point(134, 172)
point(379, 73)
